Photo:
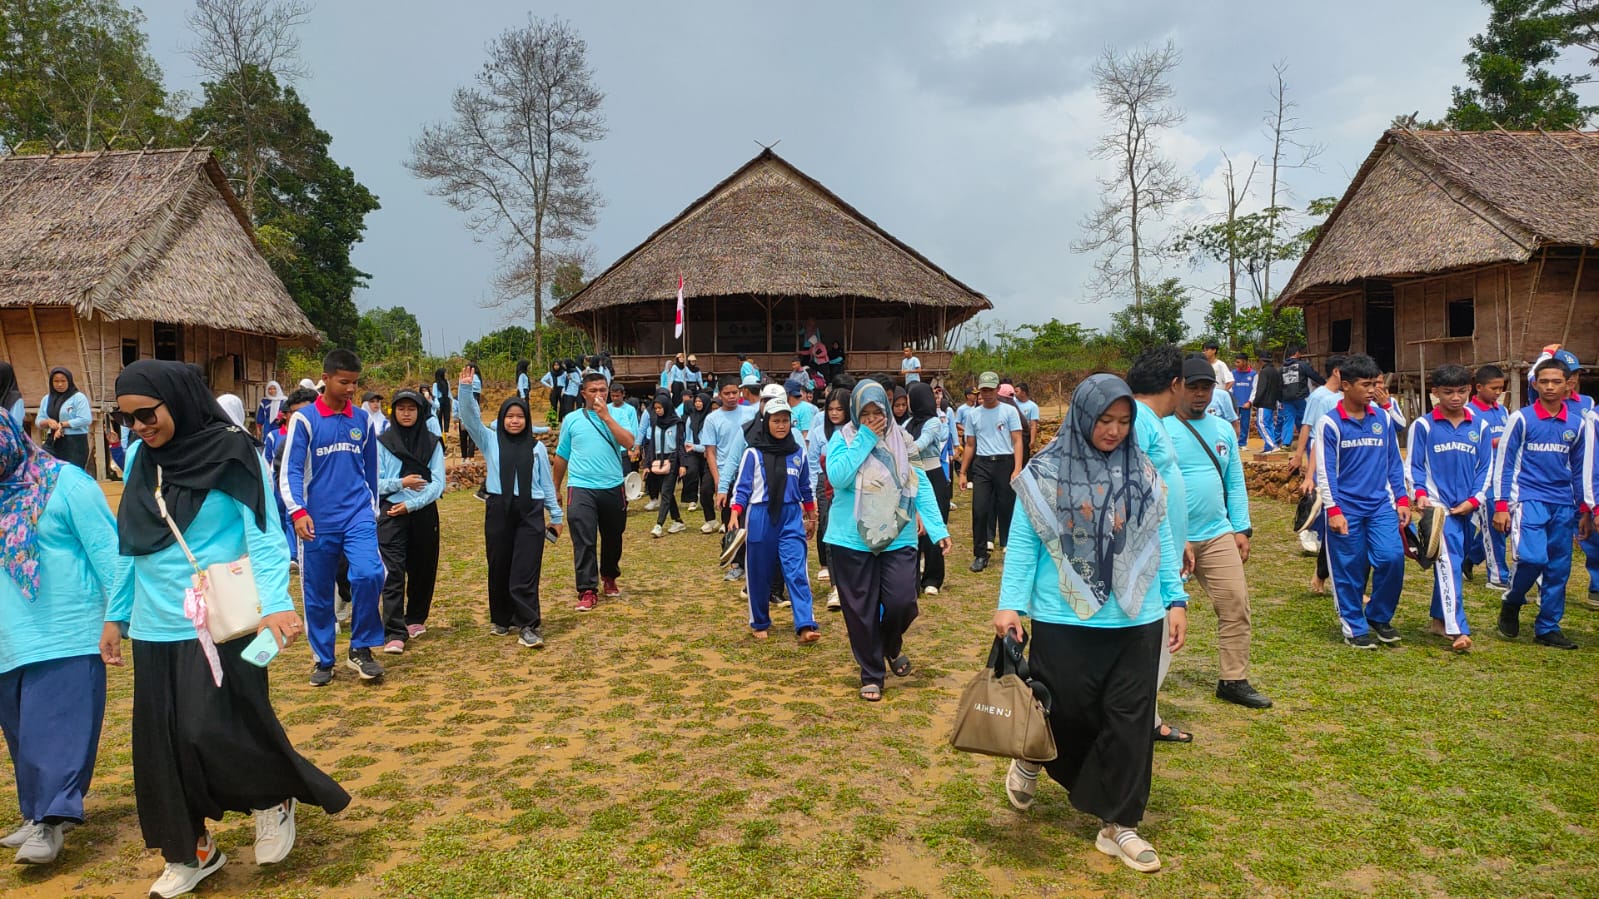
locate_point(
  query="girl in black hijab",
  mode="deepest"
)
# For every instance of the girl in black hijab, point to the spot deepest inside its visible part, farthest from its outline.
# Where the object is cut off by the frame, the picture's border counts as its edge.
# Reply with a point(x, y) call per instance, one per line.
point(441, 399)
point(11, 395)
point(928, 430)
point(698, 491)
point(902, 407)
point(65, 417)
point(524, 383)
point(205, 738)
point(410, 481)
point(666, 459)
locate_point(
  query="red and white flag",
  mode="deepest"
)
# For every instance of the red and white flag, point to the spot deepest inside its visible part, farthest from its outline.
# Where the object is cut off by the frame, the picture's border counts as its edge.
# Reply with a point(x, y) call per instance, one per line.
point(679, 332)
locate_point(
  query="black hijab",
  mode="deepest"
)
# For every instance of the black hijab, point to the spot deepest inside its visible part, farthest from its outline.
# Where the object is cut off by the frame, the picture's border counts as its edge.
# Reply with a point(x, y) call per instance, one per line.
point(900, 392)
point(516, 451)
point(774, 460)
point(207, 452)
point(699, 406)
point(413, 445)
point(923, 406)
point(9, 391)
point(441, 396)
point(58, 398)
point(664, 421)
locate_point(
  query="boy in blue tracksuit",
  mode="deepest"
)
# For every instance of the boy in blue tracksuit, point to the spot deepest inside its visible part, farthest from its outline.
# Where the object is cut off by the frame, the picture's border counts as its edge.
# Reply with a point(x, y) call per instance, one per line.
point(329, 484)
point(1362, 485)
point(776, 541)
point(1449, 463)
point(1483, 539)
point(1536, 494)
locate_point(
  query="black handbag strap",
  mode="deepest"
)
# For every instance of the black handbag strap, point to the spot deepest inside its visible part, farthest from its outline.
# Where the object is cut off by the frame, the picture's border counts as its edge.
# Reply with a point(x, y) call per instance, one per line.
point(606, 433)
point(1008, 655)
point(1220, 473)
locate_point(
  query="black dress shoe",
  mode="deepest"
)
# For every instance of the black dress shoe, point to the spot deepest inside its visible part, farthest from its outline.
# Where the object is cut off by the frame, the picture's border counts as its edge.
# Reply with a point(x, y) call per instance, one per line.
point(1509, 620)
point(1556, 639)
point(979, 563)
point(1241, 693)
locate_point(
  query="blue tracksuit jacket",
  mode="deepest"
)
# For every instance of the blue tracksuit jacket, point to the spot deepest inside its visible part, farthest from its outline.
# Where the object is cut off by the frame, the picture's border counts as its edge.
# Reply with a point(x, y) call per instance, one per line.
point(330, 469)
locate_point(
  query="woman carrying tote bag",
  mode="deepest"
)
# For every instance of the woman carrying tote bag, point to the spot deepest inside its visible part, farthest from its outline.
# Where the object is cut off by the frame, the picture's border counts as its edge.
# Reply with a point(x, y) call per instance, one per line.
point(1091, 561)
point(205, 738)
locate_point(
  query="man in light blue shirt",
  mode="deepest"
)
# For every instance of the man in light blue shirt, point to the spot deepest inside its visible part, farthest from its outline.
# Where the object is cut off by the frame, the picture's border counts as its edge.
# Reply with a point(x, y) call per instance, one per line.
point(804, 411)
point(1029, 411)
point(911, 366)
point(1218, 524)
point(992, 458)
point(724, 441)
point(590, 451)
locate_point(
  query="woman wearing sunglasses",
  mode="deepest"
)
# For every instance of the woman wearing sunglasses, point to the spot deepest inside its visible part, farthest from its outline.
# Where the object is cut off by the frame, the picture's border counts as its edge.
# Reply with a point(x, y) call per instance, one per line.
point(205, 738)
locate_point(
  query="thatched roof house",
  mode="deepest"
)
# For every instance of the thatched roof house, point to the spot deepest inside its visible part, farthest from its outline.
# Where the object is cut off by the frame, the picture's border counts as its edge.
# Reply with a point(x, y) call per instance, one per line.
point(762, 252)
point(110, 257)
point(1467, 247)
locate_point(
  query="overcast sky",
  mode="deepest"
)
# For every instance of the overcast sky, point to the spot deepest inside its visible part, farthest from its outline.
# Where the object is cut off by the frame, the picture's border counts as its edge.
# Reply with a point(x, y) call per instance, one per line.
point(961, 127)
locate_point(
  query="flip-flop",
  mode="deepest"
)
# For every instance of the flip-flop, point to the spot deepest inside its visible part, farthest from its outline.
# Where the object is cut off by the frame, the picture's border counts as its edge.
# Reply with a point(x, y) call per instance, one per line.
point(901, 665)
point(1173, 735)
point(871, 693)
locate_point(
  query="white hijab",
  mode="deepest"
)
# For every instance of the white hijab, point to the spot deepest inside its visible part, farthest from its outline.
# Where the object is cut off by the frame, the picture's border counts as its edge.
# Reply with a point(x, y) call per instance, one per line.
point(233, 406)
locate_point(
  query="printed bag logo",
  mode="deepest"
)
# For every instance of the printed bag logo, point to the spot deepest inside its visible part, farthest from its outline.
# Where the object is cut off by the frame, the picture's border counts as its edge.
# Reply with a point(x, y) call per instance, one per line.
point(991, 710)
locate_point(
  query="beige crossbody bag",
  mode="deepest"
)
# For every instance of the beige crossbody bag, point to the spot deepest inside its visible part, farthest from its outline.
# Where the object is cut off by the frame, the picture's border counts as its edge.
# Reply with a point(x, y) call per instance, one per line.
point(232, 602)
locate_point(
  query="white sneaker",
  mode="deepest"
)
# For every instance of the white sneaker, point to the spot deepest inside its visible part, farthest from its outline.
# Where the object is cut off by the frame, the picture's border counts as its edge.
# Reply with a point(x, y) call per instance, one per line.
point(709, 527)
point(42, 845)
point(274, 833)
point(1021, 784)
point(824, 574)
point(991, 545)
point(953, 506)
point(833, 602)
point(677, 527)
point(652, 505)
point(19, 836)
point(179, 878)
point(930, 590)
point(656, 531)
point(692, 507)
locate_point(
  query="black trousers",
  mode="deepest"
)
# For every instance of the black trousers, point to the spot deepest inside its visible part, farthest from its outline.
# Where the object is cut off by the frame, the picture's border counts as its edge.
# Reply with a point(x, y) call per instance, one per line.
point(73, 448)
point(992, 501)
point(668, 497)
point(697, 484)
point(878, 592)
point(468, 448)
point(513, 536)
point(932, 558)
point(1103, 681)
point(596, 520)
point(824, 505)
point(409, 545)
point(200, 750)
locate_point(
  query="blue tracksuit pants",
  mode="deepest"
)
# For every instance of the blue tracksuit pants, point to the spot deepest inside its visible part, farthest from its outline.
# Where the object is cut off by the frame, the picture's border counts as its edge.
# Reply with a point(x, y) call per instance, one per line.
point(1590, 551)
point(51, 713)
point(1290, 417)
point(1372, 549)
point(769, 549)
point(319, 568)
point(1543, 550)
point(1482, 539)
point(1448, 603)
point(1268, 429)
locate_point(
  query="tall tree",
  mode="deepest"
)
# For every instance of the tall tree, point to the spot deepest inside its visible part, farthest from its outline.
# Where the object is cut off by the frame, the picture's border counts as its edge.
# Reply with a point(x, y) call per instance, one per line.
point(1289, 150)
point(514, 155)
point(1159, 320)
point(388, 334)
point(1136, 92)
point(78, 73)
point(247, 48)
point(309, 211)
point(1511, 83)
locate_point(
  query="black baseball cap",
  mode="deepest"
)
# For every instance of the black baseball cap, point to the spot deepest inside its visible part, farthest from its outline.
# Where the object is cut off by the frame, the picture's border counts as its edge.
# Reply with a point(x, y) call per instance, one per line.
point(1196, 370)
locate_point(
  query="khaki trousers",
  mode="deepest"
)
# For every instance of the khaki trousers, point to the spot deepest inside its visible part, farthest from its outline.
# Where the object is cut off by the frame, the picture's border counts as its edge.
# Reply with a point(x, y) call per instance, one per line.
point(1219, 569)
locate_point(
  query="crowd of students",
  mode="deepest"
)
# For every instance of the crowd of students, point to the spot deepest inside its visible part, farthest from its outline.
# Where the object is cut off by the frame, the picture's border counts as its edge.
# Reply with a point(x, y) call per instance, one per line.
point(1141, 489)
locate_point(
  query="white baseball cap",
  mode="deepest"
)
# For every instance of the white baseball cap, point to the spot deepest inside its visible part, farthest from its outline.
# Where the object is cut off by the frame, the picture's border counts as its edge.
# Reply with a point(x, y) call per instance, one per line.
point(774, 406)
point(750, 381)
point(774, 392)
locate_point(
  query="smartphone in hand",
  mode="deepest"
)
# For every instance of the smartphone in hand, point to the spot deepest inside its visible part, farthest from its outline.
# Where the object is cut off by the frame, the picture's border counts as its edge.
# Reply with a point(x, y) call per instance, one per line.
point(263, 649)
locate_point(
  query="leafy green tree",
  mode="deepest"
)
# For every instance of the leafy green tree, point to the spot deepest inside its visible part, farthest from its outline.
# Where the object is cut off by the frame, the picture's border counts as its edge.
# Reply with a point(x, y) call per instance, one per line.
point(309, 210)
point(1511, 83)
point(388, 334)
point(1159, 320)
point(561, 341)
point(79, 73)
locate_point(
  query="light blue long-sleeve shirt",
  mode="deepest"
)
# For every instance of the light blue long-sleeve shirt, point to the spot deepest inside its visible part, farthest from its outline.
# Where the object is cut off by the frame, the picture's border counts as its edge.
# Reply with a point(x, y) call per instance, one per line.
point(488, 443)
point(932, 438)
point(75, 413)
point(843, 462)
point(79, 572)
point(1030, 584)
point(389, 481)
point(815, 447)
point(523, 385)
point(223, 530)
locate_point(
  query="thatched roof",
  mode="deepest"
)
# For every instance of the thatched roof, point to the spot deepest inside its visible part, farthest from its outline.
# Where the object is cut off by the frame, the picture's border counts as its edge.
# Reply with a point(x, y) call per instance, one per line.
point(1429, 202)
point(772, 230)
point(141, 235)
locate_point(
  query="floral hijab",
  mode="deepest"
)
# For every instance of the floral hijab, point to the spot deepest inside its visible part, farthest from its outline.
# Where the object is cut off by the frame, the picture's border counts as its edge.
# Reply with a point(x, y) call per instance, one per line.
point(27, 478)
point(1098, 514)
point(886, 483)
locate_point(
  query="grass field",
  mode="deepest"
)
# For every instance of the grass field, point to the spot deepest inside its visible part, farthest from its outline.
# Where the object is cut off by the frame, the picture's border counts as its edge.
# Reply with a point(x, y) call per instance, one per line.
point(653, 749)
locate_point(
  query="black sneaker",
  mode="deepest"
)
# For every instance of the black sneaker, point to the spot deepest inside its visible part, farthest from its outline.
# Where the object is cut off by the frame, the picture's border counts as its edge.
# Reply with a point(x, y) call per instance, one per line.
point(1466, 569)
point(1386, 632)
point(531, 638)
point(482, 494)
point(1364, 641)
point(1555, 639)
point(979, 563)
point(321, 677)
point(1509, 620)
point(1241, 693)
point(361, 660)
point(501, 630)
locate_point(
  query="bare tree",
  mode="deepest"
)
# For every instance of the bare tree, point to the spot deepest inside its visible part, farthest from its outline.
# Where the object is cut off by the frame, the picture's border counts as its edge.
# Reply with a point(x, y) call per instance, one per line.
point(1236, 195)
point(1136, 92)
point(1289, 150)
point(514, 155)
point(247, 48)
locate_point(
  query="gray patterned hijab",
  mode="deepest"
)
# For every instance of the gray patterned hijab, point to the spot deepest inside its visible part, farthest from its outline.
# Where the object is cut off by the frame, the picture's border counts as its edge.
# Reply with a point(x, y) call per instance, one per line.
point(1097, 513)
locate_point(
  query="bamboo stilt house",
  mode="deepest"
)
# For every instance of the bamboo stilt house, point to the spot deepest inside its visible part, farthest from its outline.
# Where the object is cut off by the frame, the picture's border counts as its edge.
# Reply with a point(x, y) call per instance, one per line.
point(1463, 247)
point(763, 252)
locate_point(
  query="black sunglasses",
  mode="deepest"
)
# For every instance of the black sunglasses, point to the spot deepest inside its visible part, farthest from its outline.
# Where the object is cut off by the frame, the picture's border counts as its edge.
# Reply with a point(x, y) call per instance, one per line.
point(146, 416)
